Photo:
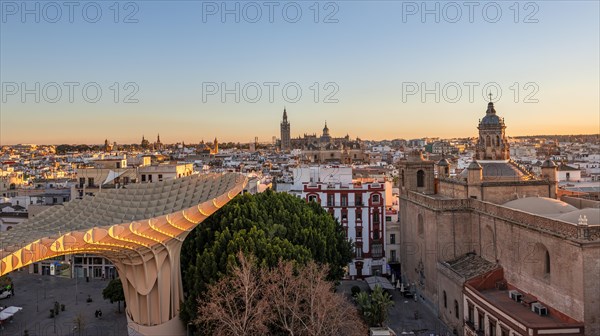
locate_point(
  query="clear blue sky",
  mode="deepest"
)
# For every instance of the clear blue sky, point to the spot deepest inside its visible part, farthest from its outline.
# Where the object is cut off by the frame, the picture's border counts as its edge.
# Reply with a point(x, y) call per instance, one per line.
point(373, 54)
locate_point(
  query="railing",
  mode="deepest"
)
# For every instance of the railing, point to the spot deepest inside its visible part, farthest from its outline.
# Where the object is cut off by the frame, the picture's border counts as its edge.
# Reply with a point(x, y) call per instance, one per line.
point(522, 218)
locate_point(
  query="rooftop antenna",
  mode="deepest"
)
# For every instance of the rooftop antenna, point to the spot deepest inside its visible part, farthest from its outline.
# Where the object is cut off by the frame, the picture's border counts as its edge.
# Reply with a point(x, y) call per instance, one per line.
point(490, 94)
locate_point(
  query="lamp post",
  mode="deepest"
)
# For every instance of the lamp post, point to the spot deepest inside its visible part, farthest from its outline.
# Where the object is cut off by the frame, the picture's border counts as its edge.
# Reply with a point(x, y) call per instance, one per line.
point(76, 276)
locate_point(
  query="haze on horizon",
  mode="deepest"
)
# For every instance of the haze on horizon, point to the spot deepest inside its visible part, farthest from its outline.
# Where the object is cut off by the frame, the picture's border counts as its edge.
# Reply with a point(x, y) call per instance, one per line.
point(367, 66)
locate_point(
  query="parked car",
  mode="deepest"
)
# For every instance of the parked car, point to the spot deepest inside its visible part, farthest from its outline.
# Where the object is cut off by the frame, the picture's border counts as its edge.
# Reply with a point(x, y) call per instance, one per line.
point(5, 294)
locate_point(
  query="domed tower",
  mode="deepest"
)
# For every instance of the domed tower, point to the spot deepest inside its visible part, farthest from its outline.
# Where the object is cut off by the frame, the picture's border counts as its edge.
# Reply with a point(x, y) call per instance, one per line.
point(325, 138)
point(492, 143)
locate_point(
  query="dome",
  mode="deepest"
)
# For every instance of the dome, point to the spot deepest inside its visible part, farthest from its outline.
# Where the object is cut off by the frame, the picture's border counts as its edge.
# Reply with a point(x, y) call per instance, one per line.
point(548, 164)
point(474, 165)
point(592, 215)
point(491, 119)
point(540, 206)
point(443, 162)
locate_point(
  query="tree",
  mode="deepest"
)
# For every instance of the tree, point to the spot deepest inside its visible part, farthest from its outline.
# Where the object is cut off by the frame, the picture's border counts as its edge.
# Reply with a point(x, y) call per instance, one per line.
point(79, 322)
point(288, 299)
point(235, 304)
point(374, 308)
point(114, 292)
point(271, 226)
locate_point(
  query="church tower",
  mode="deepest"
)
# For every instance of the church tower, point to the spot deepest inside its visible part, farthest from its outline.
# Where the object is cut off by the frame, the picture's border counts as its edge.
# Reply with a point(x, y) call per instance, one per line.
point(216, 146)
point(492, 143)
point(325, 138)
point(285, 132)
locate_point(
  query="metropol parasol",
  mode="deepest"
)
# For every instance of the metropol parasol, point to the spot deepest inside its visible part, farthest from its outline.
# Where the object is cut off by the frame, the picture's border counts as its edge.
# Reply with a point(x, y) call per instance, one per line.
point(140, 229)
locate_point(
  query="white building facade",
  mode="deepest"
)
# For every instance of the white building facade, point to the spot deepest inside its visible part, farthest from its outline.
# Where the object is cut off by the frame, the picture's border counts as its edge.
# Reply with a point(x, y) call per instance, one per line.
point(358, 206)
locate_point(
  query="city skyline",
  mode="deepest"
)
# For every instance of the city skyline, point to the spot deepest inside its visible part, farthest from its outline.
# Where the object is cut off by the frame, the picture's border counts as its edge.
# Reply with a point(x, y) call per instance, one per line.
point(368, 79)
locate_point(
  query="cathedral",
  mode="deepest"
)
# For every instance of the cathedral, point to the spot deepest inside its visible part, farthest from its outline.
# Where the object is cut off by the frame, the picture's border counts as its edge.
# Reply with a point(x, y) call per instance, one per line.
point(492, 251)
point(323, 148)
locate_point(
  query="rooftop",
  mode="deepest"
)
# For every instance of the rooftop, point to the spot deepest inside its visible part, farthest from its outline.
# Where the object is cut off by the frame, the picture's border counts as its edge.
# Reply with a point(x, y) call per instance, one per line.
point(521, 311)
point(471, 265)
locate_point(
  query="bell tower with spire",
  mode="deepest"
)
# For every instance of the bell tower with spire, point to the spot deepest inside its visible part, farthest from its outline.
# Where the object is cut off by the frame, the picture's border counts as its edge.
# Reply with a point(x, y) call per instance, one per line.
point(285, 132)
point(492, 143)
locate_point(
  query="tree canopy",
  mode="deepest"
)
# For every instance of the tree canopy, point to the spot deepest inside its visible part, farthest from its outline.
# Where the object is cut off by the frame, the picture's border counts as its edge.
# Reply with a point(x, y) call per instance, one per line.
point(114, 292)
point(272, 227)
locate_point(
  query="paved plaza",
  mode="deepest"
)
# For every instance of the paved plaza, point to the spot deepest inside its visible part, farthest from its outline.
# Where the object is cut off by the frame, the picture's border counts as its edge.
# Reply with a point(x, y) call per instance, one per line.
point(401, 316)
point(36, 294)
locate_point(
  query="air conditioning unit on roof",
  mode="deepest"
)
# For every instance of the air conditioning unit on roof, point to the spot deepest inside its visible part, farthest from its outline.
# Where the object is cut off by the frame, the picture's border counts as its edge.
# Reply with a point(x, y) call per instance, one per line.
point(539, 309)
point(515, 295)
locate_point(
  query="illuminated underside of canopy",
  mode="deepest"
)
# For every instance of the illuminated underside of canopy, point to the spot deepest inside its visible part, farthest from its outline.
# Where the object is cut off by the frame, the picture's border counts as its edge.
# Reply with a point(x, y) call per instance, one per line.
point(140, 229)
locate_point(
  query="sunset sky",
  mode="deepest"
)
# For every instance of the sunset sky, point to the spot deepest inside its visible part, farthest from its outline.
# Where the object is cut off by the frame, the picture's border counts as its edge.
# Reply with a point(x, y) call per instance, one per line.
point(369, 63)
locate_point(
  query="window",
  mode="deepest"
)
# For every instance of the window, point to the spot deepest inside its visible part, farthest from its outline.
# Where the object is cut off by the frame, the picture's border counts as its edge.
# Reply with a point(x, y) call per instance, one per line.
point(377, 250)
point(312, 198)
point(420, 179)
point(456, 310)
point(376, 198)
point(344, 215)
point(393, 256)
point(376, 217)
point(481, 319)
point(344, 200)
point(359, 233)
point(143, 177)
point(547, 263)
point(393, 238)
point(492, 326)
point(488, 141)
point(420, 226)
point(358, 200)
point(149, 177)
point(330, 200)
point(471, 313)
point(503, 331)
point(54, 200)
point(402, 177)
point(160, 177)
point(358, 251)
point(90, 182)
point(376, 234)
point(81, 182)
point(388, 218)
point(445, 300)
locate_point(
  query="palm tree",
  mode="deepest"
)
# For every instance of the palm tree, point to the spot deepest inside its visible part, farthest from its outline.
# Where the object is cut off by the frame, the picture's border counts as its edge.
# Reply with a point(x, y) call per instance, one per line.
point(374, 308)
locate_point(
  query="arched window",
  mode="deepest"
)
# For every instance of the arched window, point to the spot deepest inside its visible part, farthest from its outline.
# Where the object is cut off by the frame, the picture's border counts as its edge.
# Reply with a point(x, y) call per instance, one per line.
point(488, 141)
point(539, 264)
point(402, 177)
point(420, 179)
point(456, 309)
point(445, 300)
point(420, 226)
point(498, 140)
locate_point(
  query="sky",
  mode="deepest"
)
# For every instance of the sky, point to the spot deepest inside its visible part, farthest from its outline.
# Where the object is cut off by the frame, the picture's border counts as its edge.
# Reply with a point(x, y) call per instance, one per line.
point(195, 70)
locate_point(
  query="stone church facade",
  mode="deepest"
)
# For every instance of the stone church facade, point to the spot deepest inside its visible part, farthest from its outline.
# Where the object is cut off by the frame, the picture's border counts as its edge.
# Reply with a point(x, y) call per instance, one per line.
point(470, 241)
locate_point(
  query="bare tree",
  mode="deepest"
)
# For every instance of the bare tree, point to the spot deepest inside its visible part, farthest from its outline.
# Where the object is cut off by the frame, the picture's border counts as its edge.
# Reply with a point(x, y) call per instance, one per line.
point(235, 304)
point(321, 310)
point(295, 301)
